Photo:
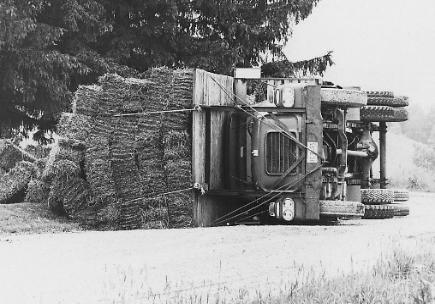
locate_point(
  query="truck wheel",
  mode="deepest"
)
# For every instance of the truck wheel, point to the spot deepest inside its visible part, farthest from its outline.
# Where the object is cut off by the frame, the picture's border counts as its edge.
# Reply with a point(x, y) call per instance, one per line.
point(342, 97)
point(333, 208)
point(390, 102)
point(388, 94)
point(377, 196)
point(383, 114)
point(379, 211)
point(401, 195)
point(401, 210)
point(400, 114)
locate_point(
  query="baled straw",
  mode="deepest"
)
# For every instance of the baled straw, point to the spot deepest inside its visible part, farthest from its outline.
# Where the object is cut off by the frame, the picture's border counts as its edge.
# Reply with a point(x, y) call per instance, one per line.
point(13, 184)
point(37, 192)
point(11, 154)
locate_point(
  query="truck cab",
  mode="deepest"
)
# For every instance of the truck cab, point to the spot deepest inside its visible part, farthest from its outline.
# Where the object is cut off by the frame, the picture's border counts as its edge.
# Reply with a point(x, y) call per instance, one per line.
point(279, 149)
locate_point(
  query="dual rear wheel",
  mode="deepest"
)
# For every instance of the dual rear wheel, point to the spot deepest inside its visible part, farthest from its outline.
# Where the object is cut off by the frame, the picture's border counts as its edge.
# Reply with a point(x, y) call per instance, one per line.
point(381, 203)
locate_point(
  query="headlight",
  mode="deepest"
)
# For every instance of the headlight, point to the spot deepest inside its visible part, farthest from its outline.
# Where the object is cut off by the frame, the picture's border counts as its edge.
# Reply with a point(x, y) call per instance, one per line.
point(272, 209)
point(288, 209)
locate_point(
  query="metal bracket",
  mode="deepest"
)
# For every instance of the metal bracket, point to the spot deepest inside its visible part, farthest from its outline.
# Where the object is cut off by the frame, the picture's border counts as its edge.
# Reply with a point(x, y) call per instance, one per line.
point(201, 187)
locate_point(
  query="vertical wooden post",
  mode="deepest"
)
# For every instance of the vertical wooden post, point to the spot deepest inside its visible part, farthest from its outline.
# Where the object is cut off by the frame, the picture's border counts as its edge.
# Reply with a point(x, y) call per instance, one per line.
point(207, 144)
point(314, 128)
point(198, 146)
point(383, 154)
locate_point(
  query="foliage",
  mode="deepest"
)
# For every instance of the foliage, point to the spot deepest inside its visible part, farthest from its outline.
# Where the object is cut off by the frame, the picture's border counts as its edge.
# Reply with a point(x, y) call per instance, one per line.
point(216, 35)
point(49, 47)
point(284, 68)
point(39, 41)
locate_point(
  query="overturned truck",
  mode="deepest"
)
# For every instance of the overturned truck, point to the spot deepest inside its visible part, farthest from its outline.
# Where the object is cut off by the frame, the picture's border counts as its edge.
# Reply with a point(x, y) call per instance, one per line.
point(187, 147)
point(290, 150)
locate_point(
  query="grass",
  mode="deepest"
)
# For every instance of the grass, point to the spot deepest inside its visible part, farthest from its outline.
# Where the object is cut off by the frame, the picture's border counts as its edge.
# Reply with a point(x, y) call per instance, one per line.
point(400, 278)
point(32, 218)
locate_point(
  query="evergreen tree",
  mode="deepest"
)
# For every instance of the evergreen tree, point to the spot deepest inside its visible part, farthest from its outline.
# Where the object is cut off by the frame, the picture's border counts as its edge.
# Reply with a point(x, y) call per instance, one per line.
point(39, 41)
point(216, 35)
point(49, 47)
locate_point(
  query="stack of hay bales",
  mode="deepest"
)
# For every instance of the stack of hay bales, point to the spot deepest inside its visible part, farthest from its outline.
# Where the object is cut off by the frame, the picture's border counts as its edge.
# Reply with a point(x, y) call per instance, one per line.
point(128, 150)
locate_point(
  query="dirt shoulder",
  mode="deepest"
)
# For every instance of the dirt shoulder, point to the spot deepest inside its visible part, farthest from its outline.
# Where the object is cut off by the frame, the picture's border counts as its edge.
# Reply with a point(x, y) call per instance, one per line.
point(130, 266)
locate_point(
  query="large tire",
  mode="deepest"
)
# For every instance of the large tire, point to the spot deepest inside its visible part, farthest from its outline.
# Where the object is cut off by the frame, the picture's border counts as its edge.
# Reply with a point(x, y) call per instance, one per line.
point(383, 114)
point(401, 195)
point(377, 196)
point(401, 210)
point(400, 114)
point(332, 208)
point(342, 97)
point(387, 94)
point(390, 102)
point(379, 211)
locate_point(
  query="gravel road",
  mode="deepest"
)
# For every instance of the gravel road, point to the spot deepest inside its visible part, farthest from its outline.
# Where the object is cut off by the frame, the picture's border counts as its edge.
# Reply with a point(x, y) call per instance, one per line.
point(234, 262)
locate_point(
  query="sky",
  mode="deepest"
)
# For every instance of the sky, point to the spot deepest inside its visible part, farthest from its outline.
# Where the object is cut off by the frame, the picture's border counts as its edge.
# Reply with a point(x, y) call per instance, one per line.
point(376, 44)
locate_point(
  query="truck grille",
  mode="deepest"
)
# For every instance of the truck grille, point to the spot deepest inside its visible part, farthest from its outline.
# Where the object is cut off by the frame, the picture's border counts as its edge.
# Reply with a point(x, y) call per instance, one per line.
point(280, 153)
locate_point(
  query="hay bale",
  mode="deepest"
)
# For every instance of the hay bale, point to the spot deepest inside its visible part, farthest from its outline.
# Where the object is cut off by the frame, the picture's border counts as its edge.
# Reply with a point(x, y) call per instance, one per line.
point(180, 209)
point(178, 169)
point(37, 192)
point(86, 100)
point(129, 216)
point(98, 216)
point(154, 213)
point(114, 95)
point(98, 171)
point(38, 151)
point(64, 172)
point(40, 165)
point(11, 154)
point(13, 184)
point(74, 126)
point(71, 195)
point(76, 196)
point(65, 149)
